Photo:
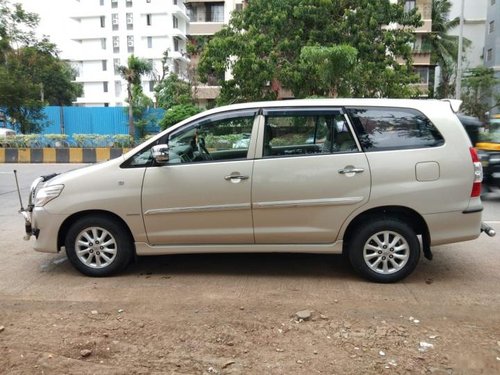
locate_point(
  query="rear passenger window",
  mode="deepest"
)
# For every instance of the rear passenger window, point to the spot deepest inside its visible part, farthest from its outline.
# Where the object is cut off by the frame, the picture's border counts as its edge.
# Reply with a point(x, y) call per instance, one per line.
point(294, 133)
point(380, 129)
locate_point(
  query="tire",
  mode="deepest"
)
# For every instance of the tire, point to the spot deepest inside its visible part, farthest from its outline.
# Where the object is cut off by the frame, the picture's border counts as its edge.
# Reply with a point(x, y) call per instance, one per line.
point(98, 246)
point(373, 257)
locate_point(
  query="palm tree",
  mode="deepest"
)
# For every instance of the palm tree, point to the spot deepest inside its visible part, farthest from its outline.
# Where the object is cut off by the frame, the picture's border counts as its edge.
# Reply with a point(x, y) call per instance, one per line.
point(444, 47)
point(132, 73)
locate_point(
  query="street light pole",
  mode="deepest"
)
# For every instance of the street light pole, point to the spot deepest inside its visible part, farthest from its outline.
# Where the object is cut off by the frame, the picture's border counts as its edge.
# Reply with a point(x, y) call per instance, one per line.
point(458, 82)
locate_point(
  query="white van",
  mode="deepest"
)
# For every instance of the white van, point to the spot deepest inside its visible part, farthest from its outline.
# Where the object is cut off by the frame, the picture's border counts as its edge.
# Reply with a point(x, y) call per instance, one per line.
point(379, 180)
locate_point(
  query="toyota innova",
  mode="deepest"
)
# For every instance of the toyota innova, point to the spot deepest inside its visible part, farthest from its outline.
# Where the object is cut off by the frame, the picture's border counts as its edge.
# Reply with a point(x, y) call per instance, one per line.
point(379, 180)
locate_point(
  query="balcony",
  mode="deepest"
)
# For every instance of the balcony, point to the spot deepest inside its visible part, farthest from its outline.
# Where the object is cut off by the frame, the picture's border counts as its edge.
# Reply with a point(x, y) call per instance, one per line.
point(204, 28)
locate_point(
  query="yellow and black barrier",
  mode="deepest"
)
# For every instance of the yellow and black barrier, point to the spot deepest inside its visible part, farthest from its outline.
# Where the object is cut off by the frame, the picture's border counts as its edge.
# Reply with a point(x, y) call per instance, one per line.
point(59, 155)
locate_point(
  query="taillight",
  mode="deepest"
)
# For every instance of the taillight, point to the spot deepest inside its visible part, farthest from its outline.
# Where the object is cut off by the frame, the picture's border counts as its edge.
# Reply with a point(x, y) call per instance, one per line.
point(478, 173)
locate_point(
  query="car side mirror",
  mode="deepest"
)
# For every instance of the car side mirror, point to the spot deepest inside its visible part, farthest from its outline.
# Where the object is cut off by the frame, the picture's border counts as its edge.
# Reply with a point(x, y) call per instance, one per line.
point(160, 153)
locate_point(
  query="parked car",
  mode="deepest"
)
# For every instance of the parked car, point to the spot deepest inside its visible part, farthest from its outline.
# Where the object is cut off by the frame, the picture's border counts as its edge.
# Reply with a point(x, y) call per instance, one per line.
point(6, 136)
point(389, 179)
point(488, 147)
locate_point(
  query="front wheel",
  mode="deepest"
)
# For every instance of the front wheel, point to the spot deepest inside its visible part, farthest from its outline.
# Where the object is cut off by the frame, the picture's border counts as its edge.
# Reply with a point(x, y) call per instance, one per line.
point(98, 246)
point(384, 250)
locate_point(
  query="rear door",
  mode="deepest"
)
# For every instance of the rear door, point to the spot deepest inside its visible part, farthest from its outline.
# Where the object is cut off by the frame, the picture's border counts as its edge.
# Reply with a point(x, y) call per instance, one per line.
point(310, 178)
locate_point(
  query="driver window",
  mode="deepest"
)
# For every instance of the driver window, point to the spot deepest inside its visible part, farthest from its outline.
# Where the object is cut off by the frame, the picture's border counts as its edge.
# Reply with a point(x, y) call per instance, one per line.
point(218, 138)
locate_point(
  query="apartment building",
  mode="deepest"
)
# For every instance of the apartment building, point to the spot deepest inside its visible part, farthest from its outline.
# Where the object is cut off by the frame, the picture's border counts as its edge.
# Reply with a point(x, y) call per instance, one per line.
point(421, 47)
point(106, 32)
point(205, 19)
point(492, 43)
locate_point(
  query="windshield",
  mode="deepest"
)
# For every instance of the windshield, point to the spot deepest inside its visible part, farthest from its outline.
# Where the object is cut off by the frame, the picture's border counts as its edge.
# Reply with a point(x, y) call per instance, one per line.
point(492, 134)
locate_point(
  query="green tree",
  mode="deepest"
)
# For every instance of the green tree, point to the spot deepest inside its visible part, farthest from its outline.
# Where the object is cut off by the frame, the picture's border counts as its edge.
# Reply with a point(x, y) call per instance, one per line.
point(32, 75)
point(263, 44)
point(173, 91)
point(479, 96)
point(16, 28)
point(178, 113)
point(132, 73)
point(141, 104)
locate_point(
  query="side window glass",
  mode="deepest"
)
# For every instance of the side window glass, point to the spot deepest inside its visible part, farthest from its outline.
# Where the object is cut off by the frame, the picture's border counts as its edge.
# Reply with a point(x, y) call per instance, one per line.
point(297, 134)
point(380, 129)
point(219, 138)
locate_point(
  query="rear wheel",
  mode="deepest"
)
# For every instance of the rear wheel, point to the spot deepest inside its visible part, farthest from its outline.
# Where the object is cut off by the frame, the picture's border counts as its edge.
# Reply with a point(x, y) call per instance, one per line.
point(98, 246)
point(384, 250)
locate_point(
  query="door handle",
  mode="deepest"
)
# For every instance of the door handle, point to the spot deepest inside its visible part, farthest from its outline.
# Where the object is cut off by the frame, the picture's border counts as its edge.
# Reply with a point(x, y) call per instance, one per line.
point(351, 170)
point(235, 177)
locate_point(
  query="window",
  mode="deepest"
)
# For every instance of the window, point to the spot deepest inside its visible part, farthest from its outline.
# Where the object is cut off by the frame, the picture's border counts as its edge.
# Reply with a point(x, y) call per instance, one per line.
point(238, 7)
point(222, 137)
point(151, 86)
point(175, 2)
point(103, 43)
point(116, 65)
point(104, 65)
point(305, 132)
point(148, 19)
point(489, 55)
point(130, 21)
point(381, 129)
point(101, 2)
point(423, 72)
point(103, 21)
point(175, 22)
point(130, 43)
point(491, 29)
point(493, 2)
point(114, 3)
point(409, 5)
point(176, 44)
point(150, 41)
point(105, 86)
point(215, 12)
point(115, 21)
point(118, 88)
point(116, 44)
point(129, 3)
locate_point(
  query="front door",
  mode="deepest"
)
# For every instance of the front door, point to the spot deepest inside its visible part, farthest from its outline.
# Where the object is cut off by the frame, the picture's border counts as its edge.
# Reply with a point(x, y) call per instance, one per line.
point(202, 195)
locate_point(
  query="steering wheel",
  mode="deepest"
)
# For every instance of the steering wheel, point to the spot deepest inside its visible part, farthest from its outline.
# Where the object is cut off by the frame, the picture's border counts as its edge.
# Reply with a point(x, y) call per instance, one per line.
point(202, 149)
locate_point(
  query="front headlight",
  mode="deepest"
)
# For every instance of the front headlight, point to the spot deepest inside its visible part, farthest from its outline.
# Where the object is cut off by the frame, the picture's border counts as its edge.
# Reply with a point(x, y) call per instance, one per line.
point(46, 194)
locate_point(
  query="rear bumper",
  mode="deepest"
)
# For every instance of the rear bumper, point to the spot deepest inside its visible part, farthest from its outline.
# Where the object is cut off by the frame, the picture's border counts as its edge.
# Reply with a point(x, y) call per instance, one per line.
point(453, 227)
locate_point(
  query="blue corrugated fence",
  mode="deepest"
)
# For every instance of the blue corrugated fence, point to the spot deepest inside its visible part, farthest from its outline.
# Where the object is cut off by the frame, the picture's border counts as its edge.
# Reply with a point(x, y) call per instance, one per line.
point(95, 120)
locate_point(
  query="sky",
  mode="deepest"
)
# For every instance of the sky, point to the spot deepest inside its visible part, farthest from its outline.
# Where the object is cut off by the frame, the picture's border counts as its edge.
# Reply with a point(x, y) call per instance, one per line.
point(53, 18)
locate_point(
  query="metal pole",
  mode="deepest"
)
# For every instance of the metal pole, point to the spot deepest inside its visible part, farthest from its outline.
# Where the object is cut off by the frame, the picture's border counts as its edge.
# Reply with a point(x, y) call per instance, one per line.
point(458, 83)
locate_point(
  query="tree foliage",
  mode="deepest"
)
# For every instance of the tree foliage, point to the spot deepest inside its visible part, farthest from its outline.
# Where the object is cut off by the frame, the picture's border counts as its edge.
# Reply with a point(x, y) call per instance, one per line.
point(178, 113)
point(132, 73)
point(173, 91)
point(478, 93)
point(31, 73)
point(269, 43)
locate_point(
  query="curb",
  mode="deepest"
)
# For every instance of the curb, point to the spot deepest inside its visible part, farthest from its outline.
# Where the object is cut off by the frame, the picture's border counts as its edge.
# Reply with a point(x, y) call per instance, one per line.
point(59, 155)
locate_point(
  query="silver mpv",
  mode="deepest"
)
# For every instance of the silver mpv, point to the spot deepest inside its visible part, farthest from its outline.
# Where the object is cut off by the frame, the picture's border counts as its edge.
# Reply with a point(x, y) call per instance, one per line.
point(379, 180)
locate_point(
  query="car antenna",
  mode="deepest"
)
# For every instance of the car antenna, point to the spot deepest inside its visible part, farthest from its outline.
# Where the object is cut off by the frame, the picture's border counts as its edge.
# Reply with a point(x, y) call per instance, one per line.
point(18, 191)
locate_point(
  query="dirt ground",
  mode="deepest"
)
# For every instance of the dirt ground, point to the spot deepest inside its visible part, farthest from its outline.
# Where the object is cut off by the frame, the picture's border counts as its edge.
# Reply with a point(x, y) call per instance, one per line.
point(239, 314)
point(226, 314)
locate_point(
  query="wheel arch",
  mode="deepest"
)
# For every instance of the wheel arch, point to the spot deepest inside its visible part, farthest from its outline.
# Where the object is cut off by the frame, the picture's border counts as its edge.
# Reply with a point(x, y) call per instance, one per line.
point(63, 230)
point(405, 214)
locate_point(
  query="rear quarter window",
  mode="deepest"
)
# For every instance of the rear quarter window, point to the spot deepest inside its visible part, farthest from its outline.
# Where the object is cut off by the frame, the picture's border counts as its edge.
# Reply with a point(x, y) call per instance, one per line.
point(382, 129)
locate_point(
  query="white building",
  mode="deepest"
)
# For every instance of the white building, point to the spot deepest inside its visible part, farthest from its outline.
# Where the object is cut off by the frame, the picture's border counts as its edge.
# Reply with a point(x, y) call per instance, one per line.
point(106, 32)
point(474, 29)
